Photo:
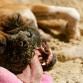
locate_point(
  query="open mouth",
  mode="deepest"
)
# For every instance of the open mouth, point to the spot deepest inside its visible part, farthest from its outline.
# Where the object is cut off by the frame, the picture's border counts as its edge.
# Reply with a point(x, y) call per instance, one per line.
point(46, 57)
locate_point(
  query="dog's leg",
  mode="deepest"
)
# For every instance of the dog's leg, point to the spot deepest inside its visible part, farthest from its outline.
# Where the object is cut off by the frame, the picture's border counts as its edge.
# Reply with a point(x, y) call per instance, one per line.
point(46, 16)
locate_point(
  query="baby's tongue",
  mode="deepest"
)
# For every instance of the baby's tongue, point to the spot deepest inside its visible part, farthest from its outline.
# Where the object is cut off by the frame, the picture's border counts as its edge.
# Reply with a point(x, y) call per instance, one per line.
point(33, 73)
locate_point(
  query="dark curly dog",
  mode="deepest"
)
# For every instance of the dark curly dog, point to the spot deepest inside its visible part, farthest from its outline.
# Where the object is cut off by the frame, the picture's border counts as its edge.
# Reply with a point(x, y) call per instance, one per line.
point(19, 49)
point(19, 43)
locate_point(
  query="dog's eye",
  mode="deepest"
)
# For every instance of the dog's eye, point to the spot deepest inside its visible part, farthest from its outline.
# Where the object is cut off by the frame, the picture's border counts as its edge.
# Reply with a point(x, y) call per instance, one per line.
point(15, 21)
point(18, 16)
point(12, 22)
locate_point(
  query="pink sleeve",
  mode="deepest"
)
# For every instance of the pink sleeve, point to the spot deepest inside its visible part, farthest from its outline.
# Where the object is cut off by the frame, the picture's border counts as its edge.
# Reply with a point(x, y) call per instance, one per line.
point(8, 77)
point(46, 78)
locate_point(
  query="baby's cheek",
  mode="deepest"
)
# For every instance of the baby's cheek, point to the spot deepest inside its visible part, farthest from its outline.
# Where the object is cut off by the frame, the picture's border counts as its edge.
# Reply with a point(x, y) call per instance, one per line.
point(25, 77)
point(36, 70)
point(33, 73)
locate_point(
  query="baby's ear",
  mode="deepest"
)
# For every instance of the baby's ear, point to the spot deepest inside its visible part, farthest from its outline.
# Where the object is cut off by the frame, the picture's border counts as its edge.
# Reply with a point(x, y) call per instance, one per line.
point(8, 77)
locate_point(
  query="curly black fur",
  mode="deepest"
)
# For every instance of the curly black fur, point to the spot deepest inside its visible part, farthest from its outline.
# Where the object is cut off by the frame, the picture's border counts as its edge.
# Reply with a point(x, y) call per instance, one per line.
point(19, 49)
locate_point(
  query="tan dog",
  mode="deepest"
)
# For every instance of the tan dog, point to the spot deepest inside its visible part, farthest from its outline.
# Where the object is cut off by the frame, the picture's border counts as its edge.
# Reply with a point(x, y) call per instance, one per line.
point(43, 15)
point(47, 15)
